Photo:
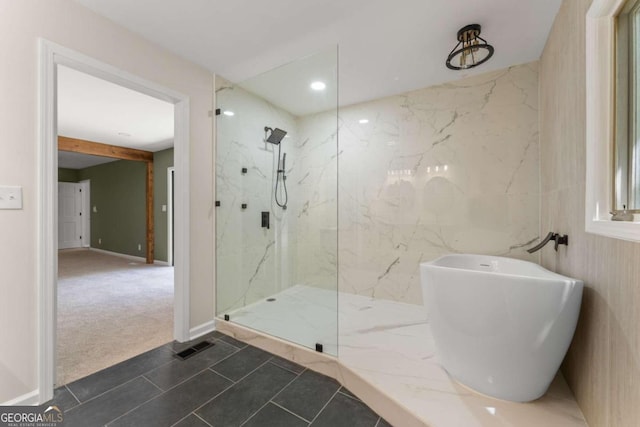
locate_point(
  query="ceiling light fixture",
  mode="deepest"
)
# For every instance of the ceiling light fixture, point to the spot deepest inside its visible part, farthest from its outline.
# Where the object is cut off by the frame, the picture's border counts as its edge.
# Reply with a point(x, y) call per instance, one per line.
point(363, 121)
point(228, 113)
point(318, 86)
point(474, 51)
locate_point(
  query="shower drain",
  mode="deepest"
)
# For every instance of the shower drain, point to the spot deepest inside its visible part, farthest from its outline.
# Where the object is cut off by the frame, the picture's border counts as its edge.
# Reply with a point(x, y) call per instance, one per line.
point(271, 299)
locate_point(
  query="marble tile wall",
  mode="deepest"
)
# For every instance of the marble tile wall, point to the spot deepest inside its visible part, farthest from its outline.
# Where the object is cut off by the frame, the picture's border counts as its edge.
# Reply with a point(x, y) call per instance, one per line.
point(447, 169)
point(602, 366)
point(252, 262)
point(300, 248)
point(315, 186)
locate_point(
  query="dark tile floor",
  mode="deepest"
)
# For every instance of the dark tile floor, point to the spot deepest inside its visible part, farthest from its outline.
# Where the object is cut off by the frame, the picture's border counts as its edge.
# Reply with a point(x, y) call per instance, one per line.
point(228, 384)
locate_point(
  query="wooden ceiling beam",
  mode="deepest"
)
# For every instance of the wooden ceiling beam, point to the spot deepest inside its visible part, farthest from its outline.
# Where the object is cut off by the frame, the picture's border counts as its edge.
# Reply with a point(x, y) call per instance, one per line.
point(103, 150)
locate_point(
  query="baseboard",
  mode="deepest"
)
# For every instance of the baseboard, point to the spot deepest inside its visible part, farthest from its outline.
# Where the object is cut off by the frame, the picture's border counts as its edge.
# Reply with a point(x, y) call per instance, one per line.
point(29, 399)
point(201, 330)
point(129, 257)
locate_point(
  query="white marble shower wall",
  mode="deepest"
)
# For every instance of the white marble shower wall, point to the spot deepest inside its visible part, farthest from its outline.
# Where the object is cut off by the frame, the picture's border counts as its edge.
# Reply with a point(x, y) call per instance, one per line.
point(446, 169)
point(316, 200)
point(252, 262)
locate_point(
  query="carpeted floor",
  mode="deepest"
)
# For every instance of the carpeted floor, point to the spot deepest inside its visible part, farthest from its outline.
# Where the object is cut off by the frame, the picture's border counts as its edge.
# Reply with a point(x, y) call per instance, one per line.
point(109, 309)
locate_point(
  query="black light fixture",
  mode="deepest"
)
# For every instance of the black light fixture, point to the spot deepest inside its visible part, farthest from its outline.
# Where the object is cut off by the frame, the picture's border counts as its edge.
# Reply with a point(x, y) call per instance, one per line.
point(471, 50)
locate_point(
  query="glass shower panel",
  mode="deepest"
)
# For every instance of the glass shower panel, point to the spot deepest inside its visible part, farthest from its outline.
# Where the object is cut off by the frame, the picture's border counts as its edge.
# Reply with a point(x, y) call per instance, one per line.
point(276, 197)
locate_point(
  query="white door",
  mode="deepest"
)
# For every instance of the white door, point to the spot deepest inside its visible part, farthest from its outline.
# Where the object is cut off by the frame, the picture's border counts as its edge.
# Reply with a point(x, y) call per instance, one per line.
point(69, 215)
point(85, 213)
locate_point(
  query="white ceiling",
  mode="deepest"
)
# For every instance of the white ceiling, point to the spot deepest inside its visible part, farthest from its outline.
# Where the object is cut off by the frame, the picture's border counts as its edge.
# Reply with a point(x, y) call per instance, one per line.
point(96, 110)
point(386, 47)
point(288, 86)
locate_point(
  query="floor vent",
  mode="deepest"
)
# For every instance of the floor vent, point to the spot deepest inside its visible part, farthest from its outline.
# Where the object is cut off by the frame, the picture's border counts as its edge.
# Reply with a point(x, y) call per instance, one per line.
point(191, 351)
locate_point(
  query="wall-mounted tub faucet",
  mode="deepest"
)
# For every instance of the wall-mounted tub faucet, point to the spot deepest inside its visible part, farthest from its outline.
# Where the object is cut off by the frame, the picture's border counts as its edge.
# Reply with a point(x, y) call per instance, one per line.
point(559, 239)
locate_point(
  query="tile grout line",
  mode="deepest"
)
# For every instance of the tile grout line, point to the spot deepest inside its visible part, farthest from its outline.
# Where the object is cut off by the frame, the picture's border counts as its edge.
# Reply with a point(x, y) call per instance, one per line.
point(272, 397)
point(143, 403)
point(240, 379)
point(325, 405)
point(187, 416)
point(350, 397)
point(201, 419)
point(122, 383)
point(212, 398)
point(105, 392)
point(286, 369)
point(233, 383)
point(154, 384)
point(291, 412)
point(219, 374)
point(74, 396)
point(176, 385)
point(192, 376)
point(239, 348)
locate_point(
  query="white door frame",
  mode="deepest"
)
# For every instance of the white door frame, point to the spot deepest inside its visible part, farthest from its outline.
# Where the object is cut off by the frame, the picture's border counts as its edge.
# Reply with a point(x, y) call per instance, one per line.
point(51, 54)
point(170, 177)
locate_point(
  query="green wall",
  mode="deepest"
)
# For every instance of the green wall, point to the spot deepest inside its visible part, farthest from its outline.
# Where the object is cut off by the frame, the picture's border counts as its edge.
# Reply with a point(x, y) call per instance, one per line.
point(162, 160)
point(68, 175)
point(118, 212)
point(118, 192)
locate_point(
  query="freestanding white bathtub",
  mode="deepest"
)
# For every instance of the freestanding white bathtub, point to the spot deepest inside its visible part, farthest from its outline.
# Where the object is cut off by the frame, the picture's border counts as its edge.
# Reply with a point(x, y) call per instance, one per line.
point(501, 326)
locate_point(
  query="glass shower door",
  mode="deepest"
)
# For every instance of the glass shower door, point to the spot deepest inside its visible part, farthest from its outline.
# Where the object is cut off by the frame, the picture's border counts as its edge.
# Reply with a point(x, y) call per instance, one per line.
point(276, 185)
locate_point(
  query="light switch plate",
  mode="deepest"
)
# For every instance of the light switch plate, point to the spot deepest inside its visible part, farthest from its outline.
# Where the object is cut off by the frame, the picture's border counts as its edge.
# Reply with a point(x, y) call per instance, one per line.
point(10, 197)
point(164, 208)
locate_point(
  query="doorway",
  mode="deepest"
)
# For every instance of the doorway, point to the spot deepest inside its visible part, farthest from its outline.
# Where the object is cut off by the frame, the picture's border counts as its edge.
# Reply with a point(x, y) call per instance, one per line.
point(115, 300)
point(52, 55)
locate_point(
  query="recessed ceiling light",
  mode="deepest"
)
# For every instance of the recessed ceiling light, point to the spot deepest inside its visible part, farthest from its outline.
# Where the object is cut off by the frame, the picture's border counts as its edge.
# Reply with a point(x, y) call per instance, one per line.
point(318, 86)
point(228, 113)
point(126, 135)
point(363, 121)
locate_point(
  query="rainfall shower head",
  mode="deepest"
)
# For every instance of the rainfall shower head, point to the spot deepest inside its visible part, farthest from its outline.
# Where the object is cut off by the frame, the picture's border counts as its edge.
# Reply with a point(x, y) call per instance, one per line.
point(274, 136)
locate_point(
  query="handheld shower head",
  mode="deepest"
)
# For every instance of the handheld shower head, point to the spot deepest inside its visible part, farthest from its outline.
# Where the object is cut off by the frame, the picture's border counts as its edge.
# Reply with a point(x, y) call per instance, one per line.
point(274, 136)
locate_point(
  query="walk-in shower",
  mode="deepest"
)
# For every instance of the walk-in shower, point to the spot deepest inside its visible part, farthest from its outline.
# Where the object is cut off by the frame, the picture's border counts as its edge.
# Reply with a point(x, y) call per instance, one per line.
point(276, 202)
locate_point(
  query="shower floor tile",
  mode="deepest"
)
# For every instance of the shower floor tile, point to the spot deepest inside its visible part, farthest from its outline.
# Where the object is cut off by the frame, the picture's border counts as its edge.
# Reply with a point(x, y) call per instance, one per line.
point(300, 314)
